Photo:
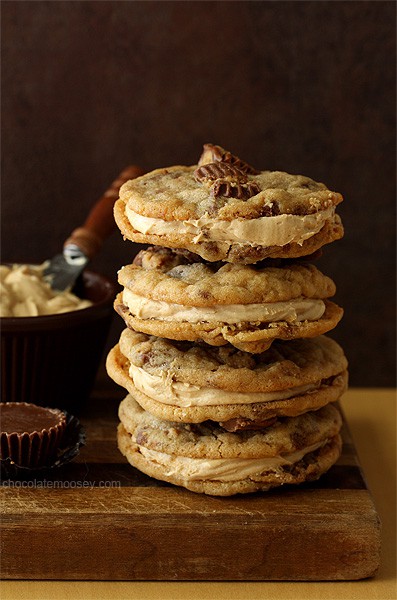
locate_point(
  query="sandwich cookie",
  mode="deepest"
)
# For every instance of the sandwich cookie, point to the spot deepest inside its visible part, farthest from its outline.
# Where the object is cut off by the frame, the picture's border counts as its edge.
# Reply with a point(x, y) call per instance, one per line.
point(174, 296)
point(192, 383)
point(207, 459)
point(224, 209)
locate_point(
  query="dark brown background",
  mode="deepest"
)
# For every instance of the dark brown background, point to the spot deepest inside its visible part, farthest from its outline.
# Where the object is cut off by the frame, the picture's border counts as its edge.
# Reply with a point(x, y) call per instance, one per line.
point(306, 87)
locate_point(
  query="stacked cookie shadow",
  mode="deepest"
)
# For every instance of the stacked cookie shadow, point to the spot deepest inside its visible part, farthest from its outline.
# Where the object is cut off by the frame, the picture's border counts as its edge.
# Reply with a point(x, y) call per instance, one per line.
point(231, 381)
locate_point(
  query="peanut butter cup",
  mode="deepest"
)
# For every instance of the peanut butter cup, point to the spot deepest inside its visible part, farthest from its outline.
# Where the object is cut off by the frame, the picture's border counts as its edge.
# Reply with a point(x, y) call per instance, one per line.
point(30, 434)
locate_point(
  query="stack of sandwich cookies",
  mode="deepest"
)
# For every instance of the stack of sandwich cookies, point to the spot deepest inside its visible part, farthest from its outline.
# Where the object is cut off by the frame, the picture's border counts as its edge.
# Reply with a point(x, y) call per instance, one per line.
point(231, 381)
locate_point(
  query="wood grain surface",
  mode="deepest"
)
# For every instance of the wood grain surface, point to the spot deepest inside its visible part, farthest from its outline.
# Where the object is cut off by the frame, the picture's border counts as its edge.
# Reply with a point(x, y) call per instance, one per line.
point(99, 518)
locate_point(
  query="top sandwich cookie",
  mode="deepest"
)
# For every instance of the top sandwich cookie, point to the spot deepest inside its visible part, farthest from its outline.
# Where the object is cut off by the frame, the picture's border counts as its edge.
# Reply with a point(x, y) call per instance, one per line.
point(224, 209)
point(177, 297)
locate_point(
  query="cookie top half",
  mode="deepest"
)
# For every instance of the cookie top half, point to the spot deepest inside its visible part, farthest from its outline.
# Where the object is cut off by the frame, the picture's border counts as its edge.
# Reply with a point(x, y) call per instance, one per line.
point(224, 209)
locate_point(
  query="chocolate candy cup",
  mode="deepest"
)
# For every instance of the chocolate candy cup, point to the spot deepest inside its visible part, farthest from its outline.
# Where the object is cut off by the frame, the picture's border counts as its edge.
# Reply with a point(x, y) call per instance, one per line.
point(30, 434)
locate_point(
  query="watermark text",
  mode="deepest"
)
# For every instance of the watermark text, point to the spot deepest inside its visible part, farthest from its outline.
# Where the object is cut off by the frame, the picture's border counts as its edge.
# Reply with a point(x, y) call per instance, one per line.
point(58, 484)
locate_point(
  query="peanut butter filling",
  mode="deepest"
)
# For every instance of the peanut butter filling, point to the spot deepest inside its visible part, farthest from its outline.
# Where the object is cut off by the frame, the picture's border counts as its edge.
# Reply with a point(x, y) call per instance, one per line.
point(164, 389)
point(278, 230)
point(223, 469)
point(300, 309)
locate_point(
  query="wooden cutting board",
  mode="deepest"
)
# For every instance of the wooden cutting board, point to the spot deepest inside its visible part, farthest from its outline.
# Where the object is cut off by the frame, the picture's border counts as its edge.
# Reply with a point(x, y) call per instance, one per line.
point(99, 518)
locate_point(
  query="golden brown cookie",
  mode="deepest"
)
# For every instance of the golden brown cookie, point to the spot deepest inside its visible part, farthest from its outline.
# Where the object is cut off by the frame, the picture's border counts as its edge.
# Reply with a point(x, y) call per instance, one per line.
point(224, 209)
point(207, 459)
point(192, 383)
point(177, 297)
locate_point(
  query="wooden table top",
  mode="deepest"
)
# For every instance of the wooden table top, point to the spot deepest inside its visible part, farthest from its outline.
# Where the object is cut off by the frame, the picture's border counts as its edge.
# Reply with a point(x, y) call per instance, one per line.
point(371, 417)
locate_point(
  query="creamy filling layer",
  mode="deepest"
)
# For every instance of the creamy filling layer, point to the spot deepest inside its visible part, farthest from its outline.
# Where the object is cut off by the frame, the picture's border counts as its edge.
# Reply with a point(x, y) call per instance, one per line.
point(301, 309)
point(24, 292)
point(263, 231)
point(163, 389)
point(222, 469)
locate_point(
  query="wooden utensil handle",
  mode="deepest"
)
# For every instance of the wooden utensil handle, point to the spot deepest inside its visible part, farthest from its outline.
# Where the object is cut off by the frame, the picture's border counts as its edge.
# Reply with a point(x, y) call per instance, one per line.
point(100, 223)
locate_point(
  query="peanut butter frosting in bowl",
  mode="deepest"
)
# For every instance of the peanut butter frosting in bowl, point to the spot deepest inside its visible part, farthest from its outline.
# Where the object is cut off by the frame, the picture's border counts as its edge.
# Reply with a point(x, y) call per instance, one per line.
point(52, 343)
point(26, 293)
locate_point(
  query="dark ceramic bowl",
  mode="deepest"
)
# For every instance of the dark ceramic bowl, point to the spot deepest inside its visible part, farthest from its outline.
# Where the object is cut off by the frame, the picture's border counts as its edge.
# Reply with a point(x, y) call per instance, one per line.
point(52, 360)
